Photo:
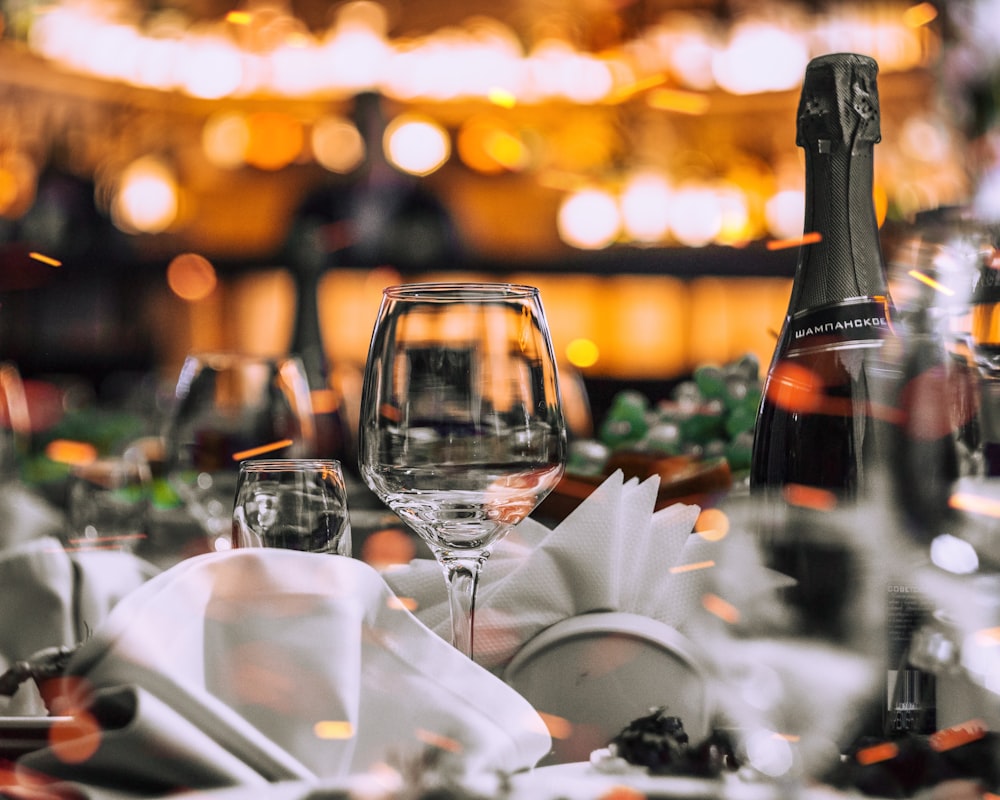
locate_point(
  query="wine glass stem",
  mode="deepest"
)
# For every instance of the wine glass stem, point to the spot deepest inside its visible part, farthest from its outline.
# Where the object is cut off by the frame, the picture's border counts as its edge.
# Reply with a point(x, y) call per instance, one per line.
point(462, 576)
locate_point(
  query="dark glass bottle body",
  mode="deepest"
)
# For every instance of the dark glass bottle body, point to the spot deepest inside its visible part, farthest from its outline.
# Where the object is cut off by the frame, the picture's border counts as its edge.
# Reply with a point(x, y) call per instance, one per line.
point(828, 421)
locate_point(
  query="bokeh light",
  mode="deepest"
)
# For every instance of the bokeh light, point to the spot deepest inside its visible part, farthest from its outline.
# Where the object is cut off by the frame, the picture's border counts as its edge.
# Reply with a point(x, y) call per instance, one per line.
point(696, 215)
point(225, 138)
point(387, 548)
point(18, 177)
point(589, 219)
point(210, 67)
point(489, 146)
point(582, 353)
point(333, 729)
point(760, 57)
point(645, 205)
point(337, 144)
point(275, 140)
point(147, 198)
point(191, 277)
point(415, 144)
point(784, 212)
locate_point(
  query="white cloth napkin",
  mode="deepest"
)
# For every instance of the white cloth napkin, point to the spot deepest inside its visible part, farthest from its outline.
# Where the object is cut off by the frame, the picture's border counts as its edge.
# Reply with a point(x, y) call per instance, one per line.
point(612, 553)
point(50, 597)
point(264, 665)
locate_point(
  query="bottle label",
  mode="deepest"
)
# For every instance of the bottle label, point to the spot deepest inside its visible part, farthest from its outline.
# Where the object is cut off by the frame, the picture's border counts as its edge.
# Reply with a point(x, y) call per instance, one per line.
point(911, 704)
point(861, 322)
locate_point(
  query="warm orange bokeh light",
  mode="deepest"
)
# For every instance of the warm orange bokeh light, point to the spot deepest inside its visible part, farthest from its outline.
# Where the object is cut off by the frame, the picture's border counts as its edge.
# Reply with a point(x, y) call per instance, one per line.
point(270, 447)
point(582, 353)
point(337, 145)
point(957, 735)
point(75, 739)
point(720, 608)
point(712, 524)
point(65, 451)
point(44, 259)
point(275, 140)
point(918, 15)
point(388, 547)
point(558, 727)
point(798, 241)
point(225, 139)
point(692, 567)
point(884, 751)
point(333, 729)
point(439, 740)
point(191, 277)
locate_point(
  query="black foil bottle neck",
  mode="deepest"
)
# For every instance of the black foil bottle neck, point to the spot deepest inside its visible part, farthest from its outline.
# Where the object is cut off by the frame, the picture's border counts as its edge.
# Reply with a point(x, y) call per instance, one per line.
point(838, 126)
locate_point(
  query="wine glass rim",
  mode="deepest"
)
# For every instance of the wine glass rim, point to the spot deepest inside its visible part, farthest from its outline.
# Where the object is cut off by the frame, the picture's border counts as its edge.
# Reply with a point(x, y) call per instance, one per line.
point(460, 290)
point(289, 464)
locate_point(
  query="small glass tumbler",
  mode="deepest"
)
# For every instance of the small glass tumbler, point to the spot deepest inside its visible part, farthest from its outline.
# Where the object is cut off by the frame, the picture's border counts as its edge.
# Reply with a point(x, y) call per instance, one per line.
point(109, 503)
point(295, 504)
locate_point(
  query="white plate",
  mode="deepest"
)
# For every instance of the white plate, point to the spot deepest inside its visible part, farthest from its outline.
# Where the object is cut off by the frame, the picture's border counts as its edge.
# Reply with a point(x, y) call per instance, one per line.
point(591, 675)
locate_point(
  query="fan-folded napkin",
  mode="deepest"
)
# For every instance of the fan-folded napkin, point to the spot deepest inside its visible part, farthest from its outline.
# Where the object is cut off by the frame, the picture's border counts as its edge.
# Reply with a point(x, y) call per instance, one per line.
point(50, 596)
point(614, 552)
point(263, 665)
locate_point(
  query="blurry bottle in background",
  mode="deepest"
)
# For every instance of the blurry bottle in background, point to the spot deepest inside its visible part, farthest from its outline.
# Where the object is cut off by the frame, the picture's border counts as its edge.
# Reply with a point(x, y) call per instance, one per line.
point(376, 216)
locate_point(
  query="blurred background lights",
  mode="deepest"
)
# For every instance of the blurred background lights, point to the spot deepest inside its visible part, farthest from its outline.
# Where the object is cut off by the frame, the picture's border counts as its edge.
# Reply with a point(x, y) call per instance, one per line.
point(488, 145)
point(417, 145)
point(337, 144)
point(210, 68)
point(695, 215)
point(784, 213)
point(735, 227)
point(147, 197)
point(582, 353)
point(760, 58)
point(954, 555)
point(225, 138)
point(18, 177)
point(644, 205)
point(191, 277)
point(589, 219)
point(275, 141)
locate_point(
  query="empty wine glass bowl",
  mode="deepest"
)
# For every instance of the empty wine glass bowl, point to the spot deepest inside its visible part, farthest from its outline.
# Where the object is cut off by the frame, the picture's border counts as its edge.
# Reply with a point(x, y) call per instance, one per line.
point(109, 503)
point(295, 504)
point(229, 408)
point(462, 431)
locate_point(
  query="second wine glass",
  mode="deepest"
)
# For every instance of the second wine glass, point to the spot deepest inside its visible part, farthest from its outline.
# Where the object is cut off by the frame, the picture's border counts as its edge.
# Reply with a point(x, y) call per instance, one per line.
point(232, 407)
point(461, 430)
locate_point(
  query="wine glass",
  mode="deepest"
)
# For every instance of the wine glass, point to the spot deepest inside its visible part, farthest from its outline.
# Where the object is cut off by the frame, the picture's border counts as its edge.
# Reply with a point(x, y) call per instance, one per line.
point(295, 504)
point(109, 502)
point(233, 407)
point(461, 431)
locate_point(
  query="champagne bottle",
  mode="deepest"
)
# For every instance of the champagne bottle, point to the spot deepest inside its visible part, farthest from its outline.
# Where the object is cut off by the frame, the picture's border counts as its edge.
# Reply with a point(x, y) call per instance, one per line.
point(826, 423)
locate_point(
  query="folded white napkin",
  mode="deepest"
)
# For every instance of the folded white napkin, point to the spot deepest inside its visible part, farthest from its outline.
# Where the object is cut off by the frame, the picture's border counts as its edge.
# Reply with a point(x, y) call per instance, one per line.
point(50, 597)
point(612, 553)
point(264, 665)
